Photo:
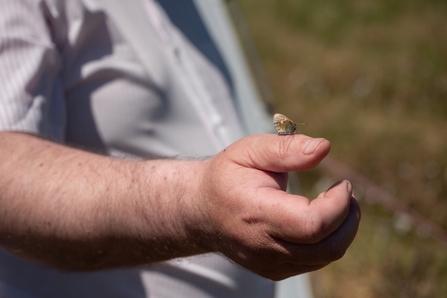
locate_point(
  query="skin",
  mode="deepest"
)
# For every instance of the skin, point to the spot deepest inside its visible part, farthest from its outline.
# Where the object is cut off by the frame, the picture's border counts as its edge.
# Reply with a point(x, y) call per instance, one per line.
point(74, 210)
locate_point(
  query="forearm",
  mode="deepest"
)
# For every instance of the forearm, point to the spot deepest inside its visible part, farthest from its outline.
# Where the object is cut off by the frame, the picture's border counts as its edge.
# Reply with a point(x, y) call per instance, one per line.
point(76, 210)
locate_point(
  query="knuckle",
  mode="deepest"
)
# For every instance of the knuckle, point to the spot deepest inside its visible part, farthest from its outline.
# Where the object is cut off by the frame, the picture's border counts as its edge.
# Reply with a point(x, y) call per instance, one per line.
point(252, 156)
point(284, 147)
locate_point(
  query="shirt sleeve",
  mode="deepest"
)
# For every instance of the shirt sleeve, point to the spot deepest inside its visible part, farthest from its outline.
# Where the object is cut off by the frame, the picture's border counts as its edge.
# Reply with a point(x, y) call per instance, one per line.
point(31, 94)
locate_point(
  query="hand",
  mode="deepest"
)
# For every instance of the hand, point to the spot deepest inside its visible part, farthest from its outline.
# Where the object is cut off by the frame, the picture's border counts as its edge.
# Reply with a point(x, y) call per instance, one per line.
point(247, 215)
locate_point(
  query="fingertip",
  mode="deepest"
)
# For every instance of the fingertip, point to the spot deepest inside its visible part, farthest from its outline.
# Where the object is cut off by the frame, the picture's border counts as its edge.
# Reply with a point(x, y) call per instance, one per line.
point(354, 205)
point(341, 185)
point(351, 205)
point(311, 145)
point(349, 187)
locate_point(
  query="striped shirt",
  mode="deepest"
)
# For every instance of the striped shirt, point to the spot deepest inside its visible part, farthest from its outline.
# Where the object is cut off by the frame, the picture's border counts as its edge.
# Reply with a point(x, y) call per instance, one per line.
point(79, 72)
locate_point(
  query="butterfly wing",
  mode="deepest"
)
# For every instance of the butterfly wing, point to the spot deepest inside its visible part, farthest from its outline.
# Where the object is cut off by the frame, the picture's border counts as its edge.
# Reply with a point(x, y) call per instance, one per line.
point(283, 125)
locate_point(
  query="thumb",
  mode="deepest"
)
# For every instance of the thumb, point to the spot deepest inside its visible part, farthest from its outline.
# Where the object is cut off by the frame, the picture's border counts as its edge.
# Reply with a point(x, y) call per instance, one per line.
point(279, 153)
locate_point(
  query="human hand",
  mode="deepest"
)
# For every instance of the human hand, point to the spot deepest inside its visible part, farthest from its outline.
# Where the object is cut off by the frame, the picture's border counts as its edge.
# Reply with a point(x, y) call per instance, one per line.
point(246, 214)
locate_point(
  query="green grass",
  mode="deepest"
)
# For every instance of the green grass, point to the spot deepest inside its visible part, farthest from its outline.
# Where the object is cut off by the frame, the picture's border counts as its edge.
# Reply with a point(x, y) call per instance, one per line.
point(370, 76)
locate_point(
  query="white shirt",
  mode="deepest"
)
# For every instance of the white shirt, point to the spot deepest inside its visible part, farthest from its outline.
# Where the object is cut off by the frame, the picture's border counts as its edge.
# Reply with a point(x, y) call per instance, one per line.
point(78, 72)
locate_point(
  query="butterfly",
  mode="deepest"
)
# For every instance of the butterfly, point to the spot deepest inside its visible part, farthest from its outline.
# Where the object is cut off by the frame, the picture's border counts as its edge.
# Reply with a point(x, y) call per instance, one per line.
point(285, 126)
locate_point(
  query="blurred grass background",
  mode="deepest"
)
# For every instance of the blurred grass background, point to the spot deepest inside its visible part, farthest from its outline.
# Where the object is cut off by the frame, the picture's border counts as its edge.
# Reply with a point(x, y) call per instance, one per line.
point(370, 76)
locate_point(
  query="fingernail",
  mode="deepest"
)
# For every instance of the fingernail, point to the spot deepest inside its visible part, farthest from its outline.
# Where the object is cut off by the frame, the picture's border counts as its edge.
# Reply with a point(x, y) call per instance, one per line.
point(349, 187)
point(310, 146)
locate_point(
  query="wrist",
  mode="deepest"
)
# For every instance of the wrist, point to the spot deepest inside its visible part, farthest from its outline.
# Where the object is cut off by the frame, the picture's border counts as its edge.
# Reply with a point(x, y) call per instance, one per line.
point(171, 202)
